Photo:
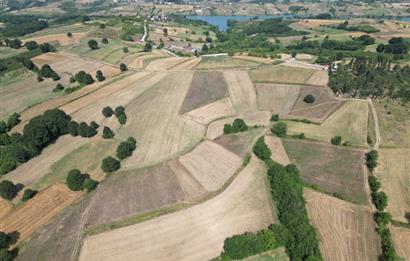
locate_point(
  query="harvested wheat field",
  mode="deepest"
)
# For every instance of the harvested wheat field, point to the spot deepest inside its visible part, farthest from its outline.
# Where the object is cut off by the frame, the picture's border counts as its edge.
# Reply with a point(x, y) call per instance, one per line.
point(241, 90)
point(349, 122)
point(62, 39)
point(278, 98)
point(156, 110)
point(187, 65)
point(35, 169)
point(332, 169)
point(318, 78)
point(394, 174)
point(165, 63)
point(255, 59)
point(205, 88)
point(324, 105)
point(196, 233)
point(38, 211)
point(225, 62)
point(346, 231)
point(5, 208)
point(282, 74)
point(210, 164)
point(401, 239)
point(278, 151)
point(213, 111)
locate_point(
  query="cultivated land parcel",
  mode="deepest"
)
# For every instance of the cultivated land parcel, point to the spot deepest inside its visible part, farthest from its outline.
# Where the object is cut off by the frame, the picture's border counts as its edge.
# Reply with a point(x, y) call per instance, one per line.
point(190, 184)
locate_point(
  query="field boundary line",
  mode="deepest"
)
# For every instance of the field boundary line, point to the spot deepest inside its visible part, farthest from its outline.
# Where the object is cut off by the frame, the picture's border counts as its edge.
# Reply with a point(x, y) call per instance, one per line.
point(376, 124)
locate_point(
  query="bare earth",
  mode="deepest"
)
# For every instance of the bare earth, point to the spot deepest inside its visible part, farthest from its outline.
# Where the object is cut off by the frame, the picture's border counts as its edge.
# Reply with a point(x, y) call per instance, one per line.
point(346, 231)
point(196, 233)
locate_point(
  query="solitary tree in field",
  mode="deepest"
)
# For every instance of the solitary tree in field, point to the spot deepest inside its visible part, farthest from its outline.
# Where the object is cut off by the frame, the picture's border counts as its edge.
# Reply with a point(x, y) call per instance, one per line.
point(93, 44)
point(279, 129)
point(293, 54)
point(75, 180)
point(99, 75)
point(110, 164)
point(104, 41)
point(69, 34)
point(107, 112)
point(125, 50)
point(107, 133)
point(123, 67)
point(7, 190)
point(165, 30)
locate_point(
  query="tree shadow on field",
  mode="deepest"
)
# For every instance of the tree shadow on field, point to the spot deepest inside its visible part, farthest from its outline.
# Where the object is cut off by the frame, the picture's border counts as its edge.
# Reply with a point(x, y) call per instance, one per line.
point(19, 187)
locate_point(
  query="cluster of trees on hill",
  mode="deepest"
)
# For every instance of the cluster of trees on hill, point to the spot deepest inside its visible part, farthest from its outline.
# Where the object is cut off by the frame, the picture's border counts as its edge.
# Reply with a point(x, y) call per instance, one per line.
point(77, 181)
point(295, 231)
point(382, 217)
point(18, 25)
point(238, 125)
point(38, 133)
point(396, 45)
point(372, 76)
point(357, 27)
point(124, 150)
point(272, 27)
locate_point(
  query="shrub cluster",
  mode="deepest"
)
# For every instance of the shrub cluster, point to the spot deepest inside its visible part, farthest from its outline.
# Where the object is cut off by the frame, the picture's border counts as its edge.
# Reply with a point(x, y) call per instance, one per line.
point(37, 134)
point(274, 117)
point(125, 149)
point(8, 190)
point(83, 129)
point(47, 72)
point(119, 112)
point(238, 125)
point(371, 159)
point(279, 129)
point(77, 181)
point(261, 149)
point(12, 121)
point(83, 78)
point(249, 244)
point(28, 194)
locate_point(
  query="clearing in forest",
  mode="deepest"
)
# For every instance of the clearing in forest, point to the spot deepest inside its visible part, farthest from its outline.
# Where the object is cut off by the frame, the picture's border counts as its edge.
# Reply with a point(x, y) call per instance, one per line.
point(394, 174)
point(349, 122)
point(333, 169)
point(39, 210)
point(346, 231)
point(211, 164)
point(196, 233)
point(205, 88)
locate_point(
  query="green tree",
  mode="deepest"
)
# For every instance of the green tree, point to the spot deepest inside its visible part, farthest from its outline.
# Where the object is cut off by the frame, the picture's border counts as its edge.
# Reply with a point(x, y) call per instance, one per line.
point(89, 185)
point(73, 128)
point(262, 150)
point(125, 49)
point(6, 255)
point(104, 41)
point(28, 194)
point(3, 127)
point(274, 117)
point(107, 112)
point(5, 240)
point(379, 200)
point(7, 190)
point(75, 180)
point(239, 125)
point(228, 129)
point(107, 133)
point(93, 44)
point(124, 150)
point(336, 140)
point(99, 75)
point(279, 129)
point(148, 47)
point(13, 120)
point(31, 45)
point(382, 218)
point(69, 35)
point(309, 98)
point(122, 118)
point(371, 159)
point(123, 67)
point(110, 164)
point(374, 183)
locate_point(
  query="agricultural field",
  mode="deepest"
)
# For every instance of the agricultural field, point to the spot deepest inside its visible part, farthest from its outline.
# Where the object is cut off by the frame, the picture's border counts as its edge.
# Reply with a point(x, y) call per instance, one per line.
point(335, 170)
point(289, 75)
point(349, 122)
point(278, 98)
point(394, 174)
point(401, 239)
point(239, 143)
point(394, 123)
point(346, 231)
point(243, 206)
point(205, 88)
point(241, 91)
point(225, 62)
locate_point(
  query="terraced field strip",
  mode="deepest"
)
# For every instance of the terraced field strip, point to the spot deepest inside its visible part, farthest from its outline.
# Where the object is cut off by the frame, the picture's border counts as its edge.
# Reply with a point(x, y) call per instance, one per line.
point(38, 211)
point(346, 231)
point(211, 164)
point(394, 174)
point(241, 90)
point(401, 239)
point(213, 111)
point(196, 233)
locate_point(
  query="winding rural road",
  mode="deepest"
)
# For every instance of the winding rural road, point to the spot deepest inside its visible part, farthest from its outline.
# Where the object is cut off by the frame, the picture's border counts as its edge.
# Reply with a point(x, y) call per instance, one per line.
point(376, 124)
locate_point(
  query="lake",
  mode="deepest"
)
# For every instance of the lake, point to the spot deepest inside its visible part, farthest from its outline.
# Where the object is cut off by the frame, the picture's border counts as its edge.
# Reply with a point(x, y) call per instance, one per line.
point(221, 20)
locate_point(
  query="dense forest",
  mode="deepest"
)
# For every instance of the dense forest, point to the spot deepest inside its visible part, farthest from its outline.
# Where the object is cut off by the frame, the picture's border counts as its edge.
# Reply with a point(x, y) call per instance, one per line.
point(372, 76)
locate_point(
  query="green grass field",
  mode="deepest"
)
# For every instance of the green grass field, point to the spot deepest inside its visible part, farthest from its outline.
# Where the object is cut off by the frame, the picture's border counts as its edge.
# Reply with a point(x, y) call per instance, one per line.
point(349, 122)
point(6, 52)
